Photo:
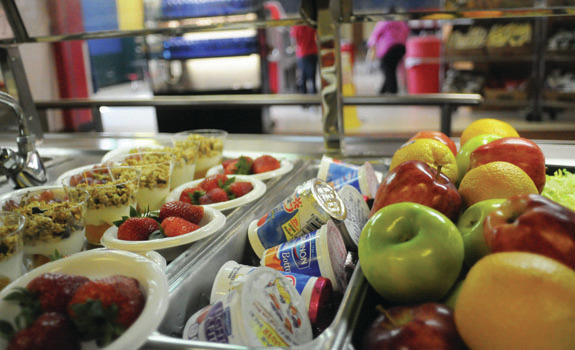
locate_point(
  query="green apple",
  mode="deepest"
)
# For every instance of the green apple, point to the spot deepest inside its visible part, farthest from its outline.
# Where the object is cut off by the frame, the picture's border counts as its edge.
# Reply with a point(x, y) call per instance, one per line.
point(462, 157)
point(470, 225)
point(410, 253)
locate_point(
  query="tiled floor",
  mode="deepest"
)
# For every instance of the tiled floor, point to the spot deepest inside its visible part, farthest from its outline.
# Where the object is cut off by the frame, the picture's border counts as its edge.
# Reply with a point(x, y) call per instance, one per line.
point(378, 120)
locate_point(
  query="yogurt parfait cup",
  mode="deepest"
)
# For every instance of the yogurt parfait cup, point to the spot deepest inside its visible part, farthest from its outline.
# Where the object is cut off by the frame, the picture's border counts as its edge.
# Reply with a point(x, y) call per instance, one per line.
point(112, 191)
point(156, 171)
point(211, 148)
point(55, 222)
point(11, 247)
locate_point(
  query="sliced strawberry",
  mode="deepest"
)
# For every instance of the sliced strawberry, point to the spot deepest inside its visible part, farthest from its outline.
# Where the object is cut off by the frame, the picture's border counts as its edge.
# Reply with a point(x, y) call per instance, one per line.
point(264, 164)
point(191, 195)
point(51, 330)
point(240, 166)
point(187, 211)
point(54, 290)
point(103, 309)
point(176, 226)
point(238, 189)
point(137, 229)
point(213, 181)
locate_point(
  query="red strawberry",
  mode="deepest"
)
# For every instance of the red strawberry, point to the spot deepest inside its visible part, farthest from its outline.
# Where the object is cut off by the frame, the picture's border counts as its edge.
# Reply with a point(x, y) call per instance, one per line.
point(239, 166)
point(187, 211)
point(213, 181)
point(191, 195)
point(103, 309)
point(137, 228)
point(215, 195)
point(51, 330)
point(176, 226)
point(265, 163)
point(54, 290)
point(238, 189)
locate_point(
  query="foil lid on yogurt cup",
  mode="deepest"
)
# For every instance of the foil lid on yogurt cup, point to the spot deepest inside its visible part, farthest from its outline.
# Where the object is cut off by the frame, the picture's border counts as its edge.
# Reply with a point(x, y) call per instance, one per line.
point(328, 199)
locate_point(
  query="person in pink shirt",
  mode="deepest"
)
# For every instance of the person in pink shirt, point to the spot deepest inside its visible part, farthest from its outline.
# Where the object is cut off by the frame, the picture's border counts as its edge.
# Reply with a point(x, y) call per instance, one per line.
point(306, 53)
point(388, 44)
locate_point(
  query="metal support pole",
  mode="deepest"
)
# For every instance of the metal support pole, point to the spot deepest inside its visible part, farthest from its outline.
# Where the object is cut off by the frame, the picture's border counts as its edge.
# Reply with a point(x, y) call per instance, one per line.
point(330, 75)
point(446, 111)
point(11, 64)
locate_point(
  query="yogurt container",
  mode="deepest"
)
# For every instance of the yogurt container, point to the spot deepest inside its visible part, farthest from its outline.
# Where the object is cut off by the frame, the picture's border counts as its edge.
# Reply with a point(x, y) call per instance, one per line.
point(357, 216)
point(316, 291)
point(338, 174)
point(310, 206)
point(320, 253)
point(262, 309)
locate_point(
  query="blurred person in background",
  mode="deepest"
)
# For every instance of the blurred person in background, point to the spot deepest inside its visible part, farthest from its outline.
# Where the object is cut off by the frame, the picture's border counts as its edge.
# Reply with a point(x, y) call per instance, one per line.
point(306, 53)
point(387, 43)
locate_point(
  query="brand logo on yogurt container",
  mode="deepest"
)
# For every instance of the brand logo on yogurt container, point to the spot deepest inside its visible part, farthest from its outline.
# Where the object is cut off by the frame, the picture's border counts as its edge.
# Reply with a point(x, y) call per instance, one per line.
point(292, 204)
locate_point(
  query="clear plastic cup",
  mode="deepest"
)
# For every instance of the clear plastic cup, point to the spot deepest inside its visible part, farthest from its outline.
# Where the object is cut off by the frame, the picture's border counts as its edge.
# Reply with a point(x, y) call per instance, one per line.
point(156, 171)
point(55, 222)
point(11, 247)
point(211, 148)
point(112, 191)
point(185, 162)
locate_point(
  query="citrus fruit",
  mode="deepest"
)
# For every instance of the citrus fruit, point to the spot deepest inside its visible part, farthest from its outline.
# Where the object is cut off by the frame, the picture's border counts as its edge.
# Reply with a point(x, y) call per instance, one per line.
point(436, 135)
point(517, 300)
point(494, 180)
point(487, 126)
point(430, 151)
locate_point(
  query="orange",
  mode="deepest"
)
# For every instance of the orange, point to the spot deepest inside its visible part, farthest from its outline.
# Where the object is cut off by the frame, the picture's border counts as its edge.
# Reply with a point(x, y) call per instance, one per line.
point(517, 300)
point(430, 151)
point(487, 126)
point(494, 180)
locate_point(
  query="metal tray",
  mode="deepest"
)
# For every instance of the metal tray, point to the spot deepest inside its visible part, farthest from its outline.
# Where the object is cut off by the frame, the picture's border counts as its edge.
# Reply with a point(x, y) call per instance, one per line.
point(191, 274)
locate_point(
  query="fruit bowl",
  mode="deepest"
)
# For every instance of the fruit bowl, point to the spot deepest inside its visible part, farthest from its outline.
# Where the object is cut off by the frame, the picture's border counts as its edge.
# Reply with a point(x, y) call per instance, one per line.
point(168, 247)
point(98, 263)
point(258, 191)
point(285, 167)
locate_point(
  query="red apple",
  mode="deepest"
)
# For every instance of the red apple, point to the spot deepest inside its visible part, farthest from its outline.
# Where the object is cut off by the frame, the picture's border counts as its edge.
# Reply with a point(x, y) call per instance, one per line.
point(424, 326)
point(532, 223)
point(416, 181)
point(520, 151)
point(436, 135)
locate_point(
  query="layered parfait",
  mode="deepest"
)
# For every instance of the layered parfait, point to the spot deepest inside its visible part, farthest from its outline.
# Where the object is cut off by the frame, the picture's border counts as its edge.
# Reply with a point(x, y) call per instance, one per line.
point(55, 223)
point(210, 151)
point(112, 191)
point(155, 176)
point(11, 247)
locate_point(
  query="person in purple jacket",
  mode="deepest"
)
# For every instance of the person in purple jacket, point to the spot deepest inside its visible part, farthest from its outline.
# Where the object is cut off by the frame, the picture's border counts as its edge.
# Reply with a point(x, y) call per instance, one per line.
point(387, 42)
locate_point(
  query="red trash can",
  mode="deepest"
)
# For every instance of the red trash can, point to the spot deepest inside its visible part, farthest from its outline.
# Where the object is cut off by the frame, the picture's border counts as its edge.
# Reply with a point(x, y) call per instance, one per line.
point(422, 59)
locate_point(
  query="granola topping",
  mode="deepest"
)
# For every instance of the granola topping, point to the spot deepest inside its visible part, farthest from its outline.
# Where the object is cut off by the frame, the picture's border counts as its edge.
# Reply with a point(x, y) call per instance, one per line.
point(155, 168)
point(48, 220)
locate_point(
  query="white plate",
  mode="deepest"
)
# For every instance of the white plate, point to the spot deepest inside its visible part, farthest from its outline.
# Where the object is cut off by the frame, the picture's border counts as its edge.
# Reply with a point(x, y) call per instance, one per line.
point(285, 167)
point(74, 171)
point(99, 263)
point(258, 191)
point(126, 150)
point(212, 221)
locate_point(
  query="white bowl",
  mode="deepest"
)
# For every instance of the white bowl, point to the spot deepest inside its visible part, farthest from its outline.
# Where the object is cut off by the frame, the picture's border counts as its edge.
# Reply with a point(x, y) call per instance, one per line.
point(169, 247)
point(258, 191)
point(285, 167)
point(99, 263)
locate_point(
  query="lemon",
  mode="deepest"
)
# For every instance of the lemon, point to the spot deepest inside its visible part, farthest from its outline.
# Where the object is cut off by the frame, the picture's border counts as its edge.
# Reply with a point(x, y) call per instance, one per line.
point(494, 180)
point(430, 151)
point(517, 300)
point(487, 126)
